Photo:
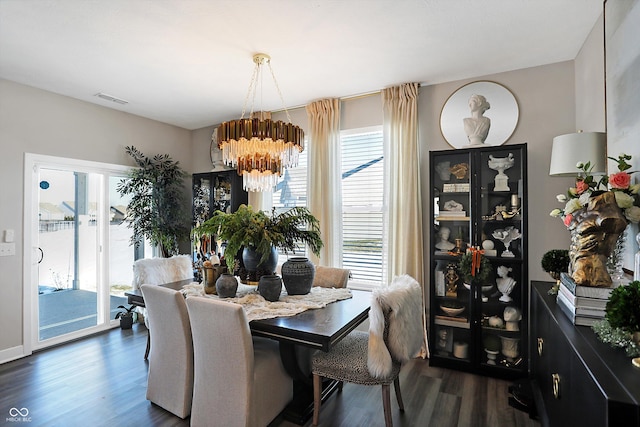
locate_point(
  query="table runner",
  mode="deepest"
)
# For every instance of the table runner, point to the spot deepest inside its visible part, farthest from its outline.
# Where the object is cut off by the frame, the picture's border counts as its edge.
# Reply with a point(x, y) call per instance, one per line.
point(257, 308)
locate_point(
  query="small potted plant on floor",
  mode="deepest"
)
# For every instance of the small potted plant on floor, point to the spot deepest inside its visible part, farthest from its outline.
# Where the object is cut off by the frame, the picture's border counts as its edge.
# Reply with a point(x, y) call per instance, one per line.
point(126, 316)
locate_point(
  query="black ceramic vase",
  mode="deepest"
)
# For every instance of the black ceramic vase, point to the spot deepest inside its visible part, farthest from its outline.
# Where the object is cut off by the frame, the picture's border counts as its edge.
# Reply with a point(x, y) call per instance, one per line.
point(255, 268)
point(297, 275)
point(226, 285)
point(270, 286)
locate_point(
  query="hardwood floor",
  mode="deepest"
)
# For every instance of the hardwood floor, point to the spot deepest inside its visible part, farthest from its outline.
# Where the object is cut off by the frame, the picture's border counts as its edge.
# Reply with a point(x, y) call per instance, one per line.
point(101, 381)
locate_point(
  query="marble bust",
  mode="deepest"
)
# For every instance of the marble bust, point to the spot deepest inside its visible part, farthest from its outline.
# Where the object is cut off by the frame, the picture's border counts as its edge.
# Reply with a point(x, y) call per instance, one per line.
point(477, 126)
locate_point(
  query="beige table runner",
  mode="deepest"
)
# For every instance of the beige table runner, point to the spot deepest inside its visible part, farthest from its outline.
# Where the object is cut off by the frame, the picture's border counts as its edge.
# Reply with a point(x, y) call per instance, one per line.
point(257, 308)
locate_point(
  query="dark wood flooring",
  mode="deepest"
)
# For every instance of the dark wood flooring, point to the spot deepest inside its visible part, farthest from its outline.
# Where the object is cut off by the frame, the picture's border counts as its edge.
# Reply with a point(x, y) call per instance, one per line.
point(101, 381)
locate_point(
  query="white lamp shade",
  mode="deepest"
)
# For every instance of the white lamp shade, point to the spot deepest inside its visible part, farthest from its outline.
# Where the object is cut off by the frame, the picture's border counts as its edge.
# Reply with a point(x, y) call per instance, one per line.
point(570, 149)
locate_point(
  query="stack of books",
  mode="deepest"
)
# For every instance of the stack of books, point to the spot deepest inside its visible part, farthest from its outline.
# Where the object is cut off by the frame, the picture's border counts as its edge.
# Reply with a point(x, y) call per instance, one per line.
point(583, 305)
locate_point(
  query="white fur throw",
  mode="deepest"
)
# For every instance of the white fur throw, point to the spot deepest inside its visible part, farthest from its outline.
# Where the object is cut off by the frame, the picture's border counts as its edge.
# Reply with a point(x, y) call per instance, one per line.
point(402, 300)
point(156, 271)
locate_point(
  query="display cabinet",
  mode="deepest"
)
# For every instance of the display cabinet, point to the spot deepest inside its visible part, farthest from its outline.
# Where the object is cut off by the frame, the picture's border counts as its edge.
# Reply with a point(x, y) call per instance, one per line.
point(478, 322)
point(214, 191)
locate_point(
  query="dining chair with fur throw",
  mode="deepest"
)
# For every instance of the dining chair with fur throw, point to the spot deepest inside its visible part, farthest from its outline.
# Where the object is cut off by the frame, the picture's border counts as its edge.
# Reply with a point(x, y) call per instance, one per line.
point(170, 377)
point(395, 336)
point(157, 271)
point(239, 380)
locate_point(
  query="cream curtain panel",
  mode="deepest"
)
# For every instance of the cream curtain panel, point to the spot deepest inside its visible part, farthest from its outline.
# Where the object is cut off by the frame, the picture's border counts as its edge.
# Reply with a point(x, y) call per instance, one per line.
point(324, 188)
point(402, 187)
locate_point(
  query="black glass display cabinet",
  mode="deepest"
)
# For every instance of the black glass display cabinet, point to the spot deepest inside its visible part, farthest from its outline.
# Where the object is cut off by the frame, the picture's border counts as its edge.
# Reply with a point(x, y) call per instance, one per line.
point(479, 200)
point(214, 191)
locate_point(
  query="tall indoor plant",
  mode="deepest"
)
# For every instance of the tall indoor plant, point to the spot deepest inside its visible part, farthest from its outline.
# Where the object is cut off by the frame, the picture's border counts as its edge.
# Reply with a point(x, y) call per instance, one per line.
point(156, 209)
point(256, 230)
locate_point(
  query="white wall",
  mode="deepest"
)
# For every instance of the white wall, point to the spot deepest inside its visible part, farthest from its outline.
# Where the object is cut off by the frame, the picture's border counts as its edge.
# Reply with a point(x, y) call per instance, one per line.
point(35, 121)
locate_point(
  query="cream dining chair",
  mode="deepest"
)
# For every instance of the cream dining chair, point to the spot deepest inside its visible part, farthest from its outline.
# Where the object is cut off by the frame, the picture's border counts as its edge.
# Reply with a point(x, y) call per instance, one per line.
point(375, 358)
point(239, 381)
point(170, 378)
point(157, 271)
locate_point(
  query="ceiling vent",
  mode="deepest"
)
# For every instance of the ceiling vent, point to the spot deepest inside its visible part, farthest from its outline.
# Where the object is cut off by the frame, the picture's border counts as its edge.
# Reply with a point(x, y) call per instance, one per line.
point(111, 98)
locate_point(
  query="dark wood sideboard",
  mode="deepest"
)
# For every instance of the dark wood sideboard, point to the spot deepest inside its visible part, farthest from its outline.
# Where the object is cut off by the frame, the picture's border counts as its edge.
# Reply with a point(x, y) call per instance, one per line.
point(577, 379)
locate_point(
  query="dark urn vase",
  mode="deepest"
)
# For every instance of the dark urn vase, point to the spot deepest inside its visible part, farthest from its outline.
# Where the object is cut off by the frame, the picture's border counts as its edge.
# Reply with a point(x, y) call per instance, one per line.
point(227, 285)
point(254, 267)
point(297, 275)
point(270, 286)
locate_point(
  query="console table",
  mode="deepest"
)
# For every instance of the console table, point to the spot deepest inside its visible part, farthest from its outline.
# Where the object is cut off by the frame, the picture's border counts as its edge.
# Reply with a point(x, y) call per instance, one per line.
point(577, 379)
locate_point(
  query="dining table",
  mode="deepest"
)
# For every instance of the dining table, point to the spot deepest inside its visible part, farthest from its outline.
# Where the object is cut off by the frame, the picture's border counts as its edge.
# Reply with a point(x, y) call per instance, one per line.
point(298, 336)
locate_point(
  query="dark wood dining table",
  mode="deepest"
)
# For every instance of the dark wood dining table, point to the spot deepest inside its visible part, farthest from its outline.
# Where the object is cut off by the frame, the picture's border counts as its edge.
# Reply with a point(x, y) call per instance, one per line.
point(318, 329)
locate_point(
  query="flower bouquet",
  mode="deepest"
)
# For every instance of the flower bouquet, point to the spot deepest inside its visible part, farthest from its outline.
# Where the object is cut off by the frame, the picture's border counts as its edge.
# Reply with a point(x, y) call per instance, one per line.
point(596, 213)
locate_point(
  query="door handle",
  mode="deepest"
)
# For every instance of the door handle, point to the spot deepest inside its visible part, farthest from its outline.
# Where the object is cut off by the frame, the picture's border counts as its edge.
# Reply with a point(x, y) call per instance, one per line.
point(555, 379)
point(540, 343)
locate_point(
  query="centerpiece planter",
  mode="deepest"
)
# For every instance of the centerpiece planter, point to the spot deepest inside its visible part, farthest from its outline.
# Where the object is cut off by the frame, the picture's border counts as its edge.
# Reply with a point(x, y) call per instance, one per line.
point(256, 267)
point(260, 234)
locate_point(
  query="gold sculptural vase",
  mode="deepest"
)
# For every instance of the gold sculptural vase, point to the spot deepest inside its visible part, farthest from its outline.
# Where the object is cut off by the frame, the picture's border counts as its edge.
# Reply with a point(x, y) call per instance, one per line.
point(594, 232)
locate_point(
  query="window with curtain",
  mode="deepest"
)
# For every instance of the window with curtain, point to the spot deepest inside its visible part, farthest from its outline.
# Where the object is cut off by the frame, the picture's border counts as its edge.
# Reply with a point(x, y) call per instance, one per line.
point(363, 204)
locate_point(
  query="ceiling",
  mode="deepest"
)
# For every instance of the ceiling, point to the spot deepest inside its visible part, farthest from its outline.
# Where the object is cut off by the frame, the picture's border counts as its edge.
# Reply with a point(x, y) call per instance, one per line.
point(189, 62)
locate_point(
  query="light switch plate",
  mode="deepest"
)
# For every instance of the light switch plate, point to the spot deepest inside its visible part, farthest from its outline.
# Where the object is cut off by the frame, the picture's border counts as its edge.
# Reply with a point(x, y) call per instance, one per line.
point(7, 249)
point(9, 235)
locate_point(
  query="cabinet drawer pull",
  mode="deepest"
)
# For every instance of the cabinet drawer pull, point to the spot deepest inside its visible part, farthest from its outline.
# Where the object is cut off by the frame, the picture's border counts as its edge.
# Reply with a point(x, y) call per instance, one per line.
point(540, 343)
point(555, 378)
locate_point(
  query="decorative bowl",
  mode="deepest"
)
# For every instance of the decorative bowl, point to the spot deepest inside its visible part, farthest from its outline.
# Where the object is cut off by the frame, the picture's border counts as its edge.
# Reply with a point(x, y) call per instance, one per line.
point(485, 288)
point(451, 311)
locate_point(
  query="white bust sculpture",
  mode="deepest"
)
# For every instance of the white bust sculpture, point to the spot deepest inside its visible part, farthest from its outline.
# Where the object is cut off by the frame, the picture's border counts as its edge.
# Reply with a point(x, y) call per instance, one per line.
point(512, 317)
point(505, 283)
point(477, 126)
point(444, 244)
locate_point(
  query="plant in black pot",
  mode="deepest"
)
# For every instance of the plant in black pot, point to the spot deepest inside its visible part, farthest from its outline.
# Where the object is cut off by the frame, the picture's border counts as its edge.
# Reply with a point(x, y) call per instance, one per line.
point(259, 235)
point(554, 262)
point(126, 316)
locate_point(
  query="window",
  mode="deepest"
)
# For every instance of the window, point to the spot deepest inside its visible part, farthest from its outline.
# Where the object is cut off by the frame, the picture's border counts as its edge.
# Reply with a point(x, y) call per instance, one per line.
point(363, 204)
point(363, 207)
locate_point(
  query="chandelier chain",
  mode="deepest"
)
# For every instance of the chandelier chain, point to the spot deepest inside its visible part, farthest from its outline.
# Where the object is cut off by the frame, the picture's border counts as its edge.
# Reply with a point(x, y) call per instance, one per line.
point(275, 82)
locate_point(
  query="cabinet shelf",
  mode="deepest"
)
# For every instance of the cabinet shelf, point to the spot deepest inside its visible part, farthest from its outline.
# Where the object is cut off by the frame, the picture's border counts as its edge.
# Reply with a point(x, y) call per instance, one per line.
point(470, 329)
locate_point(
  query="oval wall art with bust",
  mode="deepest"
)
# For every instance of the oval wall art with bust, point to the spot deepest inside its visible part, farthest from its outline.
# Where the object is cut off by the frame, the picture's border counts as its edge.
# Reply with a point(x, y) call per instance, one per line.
point(479, 114)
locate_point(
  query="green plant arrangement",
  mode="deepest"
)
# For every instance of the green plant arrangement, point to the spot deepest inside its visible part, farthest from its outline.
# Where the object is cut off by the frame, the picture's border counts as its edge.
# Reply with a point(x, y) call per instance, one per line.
point(249, 228)
point(622, 319)
point(156, 210)
point(465, 266)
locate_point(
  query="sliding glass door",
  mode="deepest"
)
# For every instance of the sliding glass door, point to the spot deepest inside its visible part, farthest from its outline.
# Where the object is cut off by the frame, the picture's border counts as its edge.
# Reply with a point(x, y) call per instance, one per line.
point(80, 256)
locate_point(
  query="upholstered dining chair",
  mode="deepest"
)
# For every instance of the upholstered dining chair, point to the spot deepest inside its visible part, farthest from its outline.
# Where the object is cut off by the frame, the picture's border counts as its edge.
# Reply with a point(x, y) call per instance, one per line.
point(375, 358)
point(170, 378)
point(156, 271)
point(331, 277)
point(239, 381)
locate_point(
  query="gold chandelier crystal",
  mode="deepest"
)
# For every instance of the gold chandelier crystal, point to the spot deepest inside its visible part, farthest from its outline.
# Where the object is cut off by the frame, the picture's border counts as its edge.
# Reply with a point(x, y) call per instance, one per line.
point(259, 148)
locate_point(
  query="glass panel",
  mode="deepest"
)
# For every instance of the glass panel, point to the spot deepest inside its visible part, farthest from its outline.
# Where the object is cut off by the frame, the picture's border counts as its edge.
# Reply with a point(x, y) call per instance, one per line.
point(68, 238)
point(121, 252)
point(363, 206)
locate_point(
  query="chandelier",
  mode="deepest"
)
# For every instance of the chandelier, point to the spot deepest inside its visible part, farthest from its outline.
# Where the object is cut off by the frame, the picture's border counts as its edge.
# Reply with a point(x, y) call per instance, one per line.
point(257, 147)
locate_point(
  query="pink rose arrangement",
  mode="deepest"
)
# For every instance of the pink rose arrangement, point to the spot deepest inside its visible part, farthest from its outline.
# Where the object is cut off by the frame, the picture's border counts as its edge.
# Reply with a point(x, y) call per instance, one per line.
point(626, 194)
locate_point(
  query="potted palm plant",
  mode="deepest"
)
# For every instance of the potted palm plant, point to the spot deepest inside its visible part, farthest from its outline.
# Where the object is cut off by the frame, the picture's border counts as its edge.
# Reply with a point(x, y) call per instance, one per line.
point(156, 209)
point(259, 234)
